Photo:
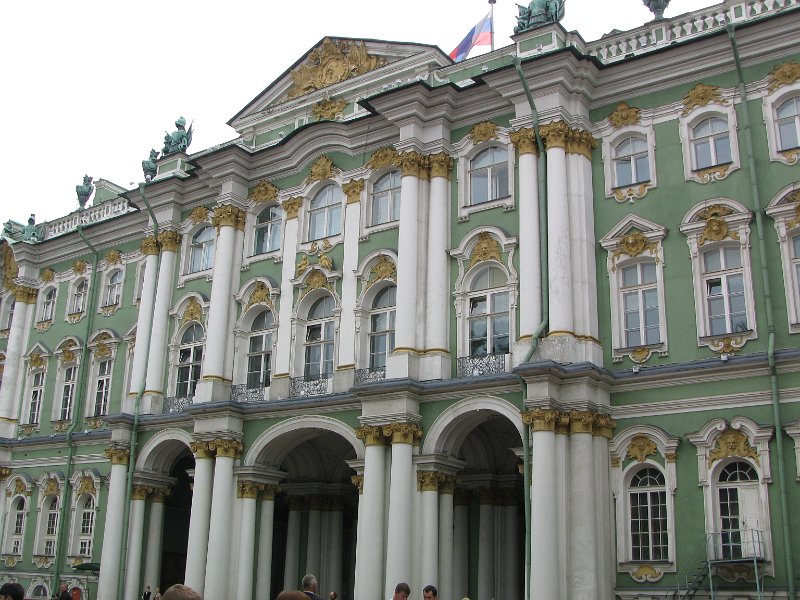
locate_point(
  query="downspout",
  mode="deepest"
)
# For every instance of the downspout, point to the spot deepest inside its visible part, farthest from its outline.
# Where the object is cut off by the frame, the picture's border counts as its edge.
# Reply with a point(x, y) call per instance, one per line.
point(77, 413)
point(545, 302)
point(773, 371)
point(126, 513)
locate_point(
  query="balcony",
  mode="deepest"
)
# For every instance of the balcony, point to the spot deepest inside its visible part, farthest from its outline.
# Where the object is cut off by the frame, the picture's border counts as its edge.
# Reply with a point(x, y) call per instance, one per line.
point(242, 393)
point(310, 385)
point(473, 366)
point(370, 375)
point(176, 404)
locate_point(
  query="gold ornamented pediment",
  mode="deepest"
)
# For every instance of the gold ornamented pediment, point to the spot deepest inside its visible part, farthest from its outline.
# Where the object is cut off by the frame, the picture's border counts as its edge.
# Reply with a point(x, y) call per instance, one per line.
point(793, 198)
point(86, 486)
point(483, 132)
point(641, 447)
point(50, 487)
point(102, 350)
point(382, 269)
point(193, 312)
point(633, 244)
point(732, 443)
point(329, 63)
point(264, 191)
point(259, 295)
point(328, 110)
point(67, 354)
point(624, 115)
point(487, 248)
point(701, 95)
point(384, 157)
point(36, 361)
point(716, 227)
point(314, 281)
point(783, 74)
point(323, 168)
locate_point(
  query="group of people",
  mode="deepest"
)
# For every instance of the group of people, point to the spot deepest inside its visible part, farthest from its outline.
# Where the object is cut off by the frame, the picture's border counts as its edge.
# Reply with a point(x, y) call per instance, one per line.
point(401, 591)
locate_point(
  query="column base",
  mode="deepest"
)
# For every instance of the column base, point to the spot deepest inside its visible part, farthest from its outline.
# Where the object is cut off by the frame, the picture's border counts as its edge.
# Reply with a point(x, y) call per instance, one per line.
point(212, 390)
point(279, 388)
point(435, 366)
point(344, 379)
point(8, 428)
point(566, 348)
point(151, 404)
point(403, 365)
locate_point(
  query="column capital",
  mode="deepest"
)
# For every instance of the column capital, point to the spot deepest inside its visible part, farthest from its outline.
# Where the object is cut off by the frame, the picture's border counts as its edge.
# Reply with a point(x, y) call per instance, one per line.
point(580, 141)
point(292, 206)
point(447, 484)
point(140, 492)
point(581, 421)
point(118, 456)
point(604, 426)
point(25, 294)
point(228, 215)
point(159, 494)
point(201, 449)
point(429, 481)
point(315, 502)
point(268, 491)
point(149, 245)
point(226, 448)
point(414, 164)
point(441, 165)
point(352, 189)
point(540, 419)
point(555, 134)
point(169, 240)
point(562, 423)
point(403, 433)
point(249, 489)
point(358, 482)
point(486, 495)
point(371, 435)
point(524, 141)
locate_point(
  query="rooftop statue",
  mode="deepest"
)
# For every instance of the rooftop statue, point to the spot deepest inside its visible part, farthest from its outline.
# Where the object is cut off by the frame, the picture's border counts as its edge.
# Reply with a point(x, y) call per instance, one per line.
point(178, 140)
point(657, 7)
point(84, 190)
point(149, 167)
point(539, 13)
point(30, 232)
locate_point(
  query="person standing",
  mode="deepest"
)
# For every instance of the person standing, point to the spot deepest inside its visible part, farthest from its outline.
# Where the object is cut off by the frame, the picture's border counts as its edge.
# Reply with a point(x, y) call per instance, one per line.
point(147, 593)
point(63, 594)
point(429, 592)
point(310, 588)
point(12, 591)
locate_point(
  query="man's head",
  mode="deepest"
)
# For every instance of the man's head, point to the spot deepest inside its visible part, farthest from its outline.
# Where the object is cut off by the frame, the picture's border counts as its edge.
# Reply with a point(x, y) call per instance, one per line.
point(147, 588)
point(310, 583)
point(401, 591)
point(180, 592)
point(12, 591)
point(62, 587)
point(429, 592)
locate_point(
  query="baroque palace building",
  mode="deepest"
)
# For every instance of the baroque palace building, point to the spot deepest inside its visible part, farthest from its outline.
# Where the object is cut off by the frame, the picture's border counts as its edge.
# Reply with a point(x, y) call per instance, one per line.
point(523, 326)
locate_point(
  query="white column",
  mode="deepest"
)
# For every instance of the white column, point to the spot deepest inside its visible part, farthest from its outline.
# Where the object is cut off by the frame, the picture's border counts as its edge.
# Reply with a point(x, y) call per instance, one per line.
point(398, 551)
point(197, 547)
point(562, 495)
point(544, 507)
point(133, 573)
point(370, 558)
point(334, 550)
point(289, 253)
point(291, 572)
point(236, 273)
point(314, 537)
point(604, 510)
point(358, 481)
point(152, 560)
point(509, 549)
point(460, 547)
point(264, 566)
point(558, 224)
point(247, 492)
point(112, 528)
point(446, 541)
point(347, 320)
point(486, 545)
point(144, 321)
point(12, 373)
point(219, 534)
point(530, 272)
point(429, 548)
point(582, 580)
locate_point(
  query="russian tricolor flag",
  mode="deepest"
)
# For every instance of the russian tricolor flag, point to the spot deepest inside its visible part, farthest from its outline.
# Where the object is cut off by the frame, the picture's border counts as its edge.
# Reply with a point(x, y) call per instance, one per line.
point(480, 35)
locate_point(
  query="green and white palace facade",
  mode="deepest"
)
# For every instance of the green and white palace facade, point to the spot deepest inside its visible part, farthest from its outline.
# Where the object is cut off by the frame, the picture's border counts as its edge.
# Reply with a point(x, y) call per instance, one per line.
point(524, 326)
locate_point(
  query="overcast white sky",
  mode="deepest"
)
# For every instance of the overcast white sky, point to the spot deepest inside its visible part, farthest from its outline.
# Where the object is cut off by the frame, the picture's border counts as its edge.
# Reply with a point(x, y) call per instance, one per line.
point(91, 86)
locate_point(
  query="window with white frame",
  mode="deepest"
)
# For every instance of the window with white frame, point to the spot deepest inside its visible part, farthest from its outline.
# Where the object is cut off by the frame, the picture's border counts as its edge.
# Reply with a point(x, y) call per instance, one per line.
point(381, 327)
point(738, 521)
point(488, 316)
point(268, 230)
point(78, 301)
point(68, 393)
point(488, 175)
point(9, 315)
point(35, 397)
point(385, 199)
point(201, 250)
point(113, 291)
point(319, 340)
point(726, 302)
point(787, 123)
point(50, 525)
point(190, 359)
point(16, 528)
point(48, 305)
point(86, 519)
point(711, 144)
point(325, 213)
point(647, 499)
point(259, 350)
point(631, 162)
point(782, 209)
point(102, 388)
point(639, 302)
point(40, 591)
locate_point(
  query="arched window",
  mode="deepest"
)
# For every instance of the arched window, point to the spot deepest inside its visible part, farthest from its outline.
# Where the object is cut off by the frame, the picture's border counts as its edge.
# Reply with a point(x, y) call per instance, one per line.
point(87, 518)
point(647, 496)
point(259, 351)
point(268, 231)
point(381, 327)
point(386, 199)
point(201, 251)
point(113, 289)
point(488, 175)
point(50, 526)
point(788, 124)
point(319, 345)
point(738, 516)
point(190, 358)
point(726, 302)
point(40, 591)
point(631, 162)
point(17, 526)
point(488, 313)
point(48, 305)
point(711, 144)
point(325, 213)
point(78, 303)
point(102, 388)
point(639, 290)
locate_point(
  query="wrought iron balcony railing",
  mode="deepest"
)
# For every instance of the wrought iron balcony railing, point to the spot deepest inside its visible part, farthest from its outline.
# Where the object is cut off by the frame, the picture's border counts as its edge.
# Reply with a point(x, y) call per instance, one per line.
point(472, 366)
point(309, 385)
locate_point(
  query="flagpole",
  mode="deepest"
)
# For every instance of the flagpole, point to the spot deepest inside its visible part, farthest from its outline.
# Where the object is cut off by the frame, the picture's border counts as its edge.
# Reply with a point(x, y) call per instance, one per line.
point(492, 3)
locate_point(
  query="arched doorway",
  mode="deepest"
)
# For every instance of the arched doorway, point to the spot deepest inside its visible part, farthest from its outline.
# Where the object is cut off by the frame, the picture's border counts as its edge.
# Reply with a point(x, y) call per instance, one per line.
point(177, 513)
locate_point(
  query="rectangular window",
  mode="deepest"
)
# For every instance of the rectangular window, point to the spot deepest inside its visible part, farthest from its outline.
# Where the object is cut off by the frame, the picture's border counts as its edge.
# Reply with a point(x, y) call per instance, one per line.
point(725, 294)
point(16, 547)
point(649, 525)
point(37, 389)
point(19, 521)
point(85, 548)
point(49, 547)
point(68, 392)
point(640, 305)
point(87, 522)
point(103, 389)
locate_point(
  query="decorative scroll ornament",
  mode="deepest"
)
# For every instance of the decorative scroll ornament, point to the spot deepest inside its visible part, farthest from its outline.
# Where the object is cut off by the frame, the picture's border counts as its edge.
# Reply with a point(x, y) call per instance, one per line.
point(332, 62)
point(292, 206)
point(791, 156)
point(371, 435)
point(316, 280)
point(50, 487)
point(487, 248)
point(728, 344)
point(701, 95)
point(402, 433)
point(715, 173)
point(734, 572)
point(633, 244)
point(483, 132)
point(641, 447)
point(716, 228)
point(328, 110)
point(793, 197)
point(732, 443)
point(636, 192)
point(264, 191)
point(382, 269)
point(67, 354)
point(193, 312)
point(641, 354)
point(199, 214)
point(624, 115)
point(384, 157)
point(524, 141)
point(302, 266)
point(79, 268)
point(86, 486)
point(259, 295)
point(323, 168)
point(36, 361)
point(646, 573)
point(113, 257)
point(783, 74)
point(48, 275)
point(352, 189)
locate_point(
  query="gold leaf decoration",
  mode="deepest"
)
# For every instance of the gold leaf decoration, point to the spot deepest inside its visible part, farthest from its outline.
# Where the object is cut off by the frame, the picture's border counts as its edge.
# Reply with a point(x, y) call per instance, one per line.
point(302, 266)
point(483, 132)
point(79, 268)
point(20, 487)
point(487, 248)
point(102, 350)
point(382, 269)
point(384, 157)
point(793, 197)
point(441, 165)
point(328, 110)
point(292, 206)
point(624, 115)
point(352, 189)
point(51, 487)
point(716, 227)
point(783, 74)
point(633, 244)
point(67, 354)
point(636, 192)
point(701, 95)
point(646, 573)
point(199, 214)
point(48, 275)
point(640, 354)
point(36, 360)
point(193, 312)
point(264, 191)
point(641, 447)
point(86, 486)
point(113, 257)
point(791, 156)
point(715, 173)
point(325, 261)
point(329, 63)
point(524, 141)
point(323, 168)
point(259, 295)
point(732, 443)
point(728, 344)
point(316, 280)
